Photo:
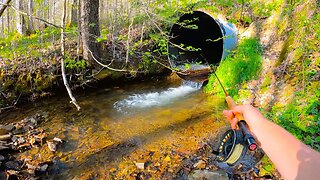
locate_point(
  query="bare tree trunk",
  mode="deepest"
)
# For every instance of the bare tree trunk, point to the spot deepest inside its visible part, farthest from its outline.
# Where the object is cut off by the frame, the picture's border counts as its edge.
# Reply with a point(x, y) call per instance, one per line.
point(2, 26)
point(74, 13)
point(8, 21)
point(79, 43)
point(52, 12)
point(30, 20)
point(101, 12)
point(45, 16)
point(90, 29)
point(20, 21)
point(73, 100)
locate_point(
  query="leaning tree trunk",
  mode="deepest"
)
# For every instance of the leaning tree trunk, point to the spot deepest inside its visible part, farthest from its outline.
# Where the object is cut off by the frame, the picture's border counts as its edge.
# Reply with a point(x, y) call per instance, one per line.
point(90, 29)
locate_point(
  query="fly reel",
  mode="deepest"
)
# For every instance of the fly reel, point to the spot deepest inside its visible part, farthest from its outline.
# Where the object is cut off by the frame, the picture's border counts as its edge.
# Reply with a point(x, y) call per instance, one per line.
point(232, 147)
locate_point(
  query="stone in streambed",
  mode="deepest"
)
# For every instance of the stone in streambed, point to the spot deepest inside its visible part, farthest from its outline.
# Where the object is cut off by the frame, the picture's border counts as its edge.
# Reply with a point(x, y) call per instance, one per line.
point(3, 147)
point(5, 137)
point(2, 158)
point(200, 164)
point(3, 130)
point(52, 146)
point(13, 165)
point(206, 174)
point(44, 167)
point(140, 165)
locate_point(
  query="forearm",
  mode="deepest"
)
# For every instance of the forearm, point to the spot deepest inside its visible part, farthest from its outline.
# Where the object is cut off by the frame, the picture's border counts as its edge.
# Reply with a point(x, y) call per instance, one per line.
point(286, 152)
point(292, 158)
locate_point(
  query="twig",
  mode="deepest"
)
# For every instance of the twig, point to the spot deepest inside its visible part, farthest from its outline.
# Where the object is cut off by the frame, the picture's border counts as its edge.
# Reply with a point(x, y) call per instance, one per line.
point(107, 66)
point(178, 72)
point(4, 7)
point(65, 82)
point(6, 108)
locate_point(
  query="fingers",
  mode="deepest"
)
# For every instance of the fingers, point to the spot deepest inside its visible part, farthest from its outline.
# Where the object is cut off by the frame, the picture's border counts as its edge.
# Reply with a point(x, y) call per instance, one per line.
point(228, 114)
point(234, 123)
point(232, 119)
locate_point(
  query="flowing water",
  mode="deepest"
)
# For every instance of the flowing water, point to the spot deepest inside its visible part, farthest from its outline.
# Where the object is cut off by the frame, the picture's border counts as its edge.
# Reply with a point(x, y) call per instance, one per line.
point(118, 126)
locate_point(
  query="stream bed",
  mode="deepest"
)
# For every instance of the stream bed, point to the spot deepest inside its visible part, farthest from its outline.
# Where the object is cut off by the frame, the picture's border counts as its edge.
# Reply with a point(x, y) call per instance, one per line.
point(147, 129)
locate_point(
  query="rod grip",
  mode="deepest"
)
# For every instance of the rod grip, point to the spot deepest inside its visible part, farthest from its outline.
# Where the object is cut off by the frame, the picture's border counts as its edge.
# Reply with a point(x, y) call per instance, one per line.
point(231, 105)
point(252, 145)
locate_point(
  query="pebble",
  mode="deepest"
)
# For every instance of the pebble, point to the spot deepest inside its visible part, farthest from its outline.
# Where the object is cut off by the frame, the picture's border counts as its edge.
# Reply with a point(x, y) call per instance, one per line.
point(57, 140)
point(44, 167)
point(21, 140)
point(140, 165)
point(2, 158)
point(200, 164)
point(52, 146)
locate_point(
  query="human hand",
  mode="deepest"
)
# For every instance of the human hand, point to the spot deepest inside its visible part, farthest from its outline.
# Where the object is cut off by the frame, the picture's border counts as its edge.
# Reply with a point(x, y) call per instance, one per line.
point(251, 115)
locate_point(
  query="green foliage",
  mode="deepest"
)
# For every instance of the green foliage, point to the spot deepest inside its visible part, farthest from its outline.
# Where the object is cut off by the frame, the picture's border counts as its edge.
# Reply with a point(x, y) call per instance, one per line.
point(301, 117)
point(265, 9)
point(15, 45)
point(267, 166)
point(242, 65)
point(148, 63)
point(73, 64)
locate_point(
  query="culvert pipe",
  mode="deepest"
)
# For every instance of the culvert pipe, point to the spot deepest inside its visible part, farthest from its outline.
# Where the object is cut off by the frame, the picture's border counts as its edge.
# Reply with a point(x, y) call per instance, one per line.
point(197, 40)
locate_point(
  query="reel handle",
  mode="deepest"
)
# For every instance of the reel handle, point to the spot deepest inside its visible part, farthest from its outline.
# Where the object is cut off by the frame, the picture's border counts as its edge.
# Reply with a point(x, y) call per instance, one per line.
point(252, 145)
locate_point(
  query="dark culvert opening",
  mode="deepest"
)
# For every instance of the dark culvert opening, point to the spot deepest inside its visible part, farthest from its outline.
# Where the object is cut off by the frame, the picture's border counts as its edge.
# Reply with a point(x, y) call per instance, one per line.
point(199, 32)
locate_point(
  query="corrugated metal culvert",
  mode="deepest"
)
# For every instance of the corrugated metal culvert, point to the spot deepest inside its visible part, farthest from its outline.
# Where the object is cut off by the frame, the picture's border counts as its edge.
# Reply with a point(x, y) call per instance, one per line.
point(198, 39)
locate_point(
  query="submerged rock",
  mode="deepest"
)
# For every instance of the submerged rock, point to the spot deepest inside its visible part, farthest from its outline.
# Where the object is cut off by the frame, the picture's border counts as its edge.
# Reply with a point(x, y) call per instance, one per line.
point(206, 174)
point(22, 136)
point(13, 165)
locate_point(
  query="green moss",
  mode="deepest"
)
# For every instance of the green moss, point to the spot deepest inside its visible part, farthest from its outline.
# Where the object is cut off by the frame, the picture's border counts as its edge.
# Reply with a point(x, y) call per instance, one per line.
point(241, 66)
point(267, 166)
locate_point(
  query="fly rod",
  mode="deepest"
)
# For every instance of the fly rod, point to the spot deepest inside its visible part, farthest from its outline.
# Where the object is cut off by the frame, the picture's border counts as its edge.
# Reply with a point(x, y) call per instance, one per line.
point(241, 121)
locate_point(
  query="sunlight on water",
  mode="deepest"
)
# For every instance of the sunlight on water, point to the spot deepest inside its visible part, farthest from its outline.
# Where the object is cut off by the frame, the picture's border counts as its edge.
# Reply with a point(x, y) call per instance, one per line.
point(150, 99)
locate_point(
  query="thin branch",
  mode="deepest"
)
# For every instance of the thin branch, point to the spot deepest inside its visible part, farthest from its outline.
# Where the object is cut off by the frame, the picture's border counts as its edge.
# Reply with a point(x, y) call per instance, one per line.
point(65, 81)
point(173, 70)
point(107, 66)
point(35, 17)
point(4, 7)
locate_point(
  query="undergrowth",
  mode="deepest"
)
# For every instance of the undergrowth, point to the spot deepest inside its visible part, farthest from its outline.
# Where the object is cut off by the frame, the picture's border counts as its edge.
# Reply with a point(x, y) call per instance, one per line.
point(241, 66)
point(301, 116)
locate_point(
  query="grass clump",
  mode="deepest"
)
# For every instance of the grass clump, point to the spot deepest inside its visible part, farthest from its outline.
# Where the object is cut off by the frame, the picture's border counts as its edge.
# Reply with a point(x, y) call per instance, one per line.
point(242, 65)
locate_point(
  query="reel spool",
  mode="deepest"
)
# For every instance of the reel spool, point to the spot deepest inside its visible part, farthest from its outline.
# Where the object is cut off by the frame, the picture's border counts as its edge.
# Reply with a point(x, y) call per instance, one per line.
point(232, 148)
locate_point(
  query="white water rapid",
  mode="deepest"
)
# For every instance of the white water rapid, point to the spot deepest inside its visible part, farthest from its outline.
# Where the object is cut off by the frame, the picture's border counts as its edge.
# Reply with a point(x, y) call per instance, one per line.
point(145, 100)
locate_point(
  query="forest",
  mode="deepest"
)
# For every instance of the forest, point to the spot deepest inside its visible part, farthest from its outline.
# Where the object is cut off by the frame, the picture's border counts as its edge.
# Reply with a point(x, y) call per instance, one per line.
point(90, 89)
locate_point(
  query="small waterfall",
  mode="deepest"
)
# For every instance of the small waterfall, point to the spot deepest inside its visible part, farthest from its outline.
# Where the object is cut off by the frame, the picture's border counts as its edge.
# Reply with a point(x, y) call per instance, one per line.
point(150, 99)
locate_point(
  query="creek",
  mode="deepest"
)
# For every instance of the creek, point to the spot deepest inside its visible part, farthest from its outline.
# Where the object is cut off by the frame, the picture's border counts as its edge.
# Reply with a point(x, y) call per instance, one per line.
point(120, 126)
